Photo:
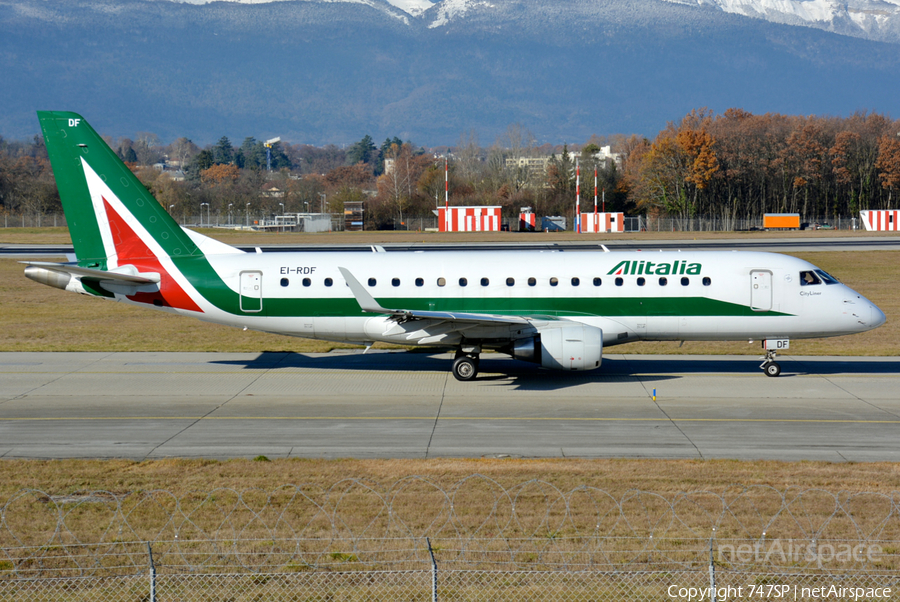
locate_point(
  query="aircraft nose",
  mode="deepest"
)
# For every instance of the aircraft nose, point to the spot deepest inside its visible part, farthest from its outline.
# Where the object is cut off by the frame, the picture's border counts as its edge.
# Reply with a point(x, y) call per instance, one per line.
point(876, 316)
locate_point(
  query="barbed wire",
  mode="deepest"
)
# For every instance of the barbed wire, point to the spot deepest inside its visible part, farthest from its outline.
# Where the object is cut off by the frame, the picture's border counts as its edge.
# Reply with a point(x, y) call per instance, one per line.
point(475, 523)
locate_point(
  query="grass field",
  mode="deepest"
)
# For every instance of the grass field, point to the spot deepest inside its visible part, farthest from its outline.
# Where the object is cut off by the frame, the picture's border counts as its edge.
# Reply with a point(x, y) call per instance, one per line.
point(480, 502)
point(616, 476)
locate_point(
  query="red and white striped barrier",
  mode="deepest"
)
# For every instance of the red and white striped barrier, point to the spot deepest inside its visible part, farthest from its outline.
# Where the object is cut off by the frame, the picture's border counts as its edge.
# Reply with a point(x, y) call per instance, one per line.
point(527, 222)
point(602, 222)
point(469, 219)
point(880, 220)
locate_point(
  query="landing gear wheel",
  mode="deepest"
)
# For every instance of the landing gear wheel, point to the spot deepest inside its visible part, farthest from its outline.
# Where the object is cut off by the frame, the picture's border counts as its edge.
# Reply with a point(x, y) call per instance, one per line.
point(465, 368)
point(772, 369)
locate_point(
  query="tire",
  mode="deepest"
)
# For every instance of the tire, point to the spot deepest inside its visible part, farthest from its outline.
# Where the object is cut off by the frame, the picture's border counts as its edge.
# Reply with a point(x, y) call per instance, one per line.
point(465, 368)
point(772, 369)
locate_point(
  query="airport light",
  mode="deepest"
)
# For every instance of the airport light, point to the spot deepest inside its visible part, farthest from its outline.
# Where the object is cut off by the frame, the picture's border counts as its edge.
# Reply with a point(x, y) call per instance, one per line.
point(229, 212)
point(201, 214)
point(322, 194)
point(247, 213)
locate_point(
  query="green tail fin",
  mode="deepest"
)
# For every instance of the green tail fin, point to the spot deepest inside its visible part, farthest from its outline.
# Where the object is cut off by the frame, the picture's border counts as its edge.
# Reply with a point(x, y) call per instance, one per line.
point(111, 215)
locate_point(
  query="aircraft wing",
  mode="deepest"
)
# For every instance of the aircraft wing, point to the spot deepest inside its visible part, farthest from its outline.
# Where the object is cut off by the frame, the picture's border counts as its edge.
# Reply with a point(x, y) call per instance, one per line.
point(368, 304)
point(101, 275)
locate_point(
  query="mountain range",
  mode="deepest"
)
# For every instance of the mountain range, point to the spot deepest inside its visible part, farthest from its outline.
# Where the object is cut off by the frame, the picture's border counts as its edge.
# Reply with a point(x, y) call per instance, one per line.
point(870, 19)
point(321, 71)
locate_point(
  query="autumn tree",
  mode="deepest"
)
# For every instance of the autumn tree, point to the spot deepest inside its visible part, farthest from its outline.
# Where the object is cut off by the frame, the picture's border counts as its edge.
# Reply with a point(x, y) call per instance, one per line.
point(888, 164)
point(398, 185)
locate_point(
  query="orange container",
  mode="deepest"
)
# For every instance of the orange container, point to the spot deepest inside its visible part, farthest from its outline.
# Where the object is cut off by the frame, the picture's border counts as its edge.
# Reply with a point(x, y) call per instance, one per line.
point(781, 220)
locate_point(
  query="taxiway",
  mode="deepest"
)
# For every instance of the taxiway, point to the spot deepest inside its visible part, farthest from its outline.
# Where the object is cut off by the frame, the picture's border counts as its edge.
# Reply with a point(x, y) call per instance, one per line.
point(407, 405)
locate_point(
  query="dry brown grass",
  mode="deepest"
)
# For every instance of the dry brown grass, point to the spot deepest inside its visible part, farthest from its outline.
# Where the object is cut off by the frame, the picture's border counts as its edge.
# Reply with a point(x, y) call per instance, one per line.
point(482, 506)
point(666, 477)
point(41, 318)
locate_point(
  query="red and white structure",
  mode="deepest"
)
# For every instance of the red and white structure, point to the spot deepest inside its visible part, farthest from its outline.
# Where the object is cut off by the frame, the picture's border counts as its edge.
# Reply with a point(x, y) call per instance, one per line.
point(880, 220)
point(469, 219)
point(602, 222)
point(527, 222)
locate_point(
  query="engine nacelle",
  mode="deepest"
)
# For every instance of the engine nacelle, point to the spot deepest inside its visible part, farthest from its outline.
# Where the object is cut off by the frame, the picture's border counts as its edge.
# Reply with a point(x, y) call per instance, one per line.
point(570, 347)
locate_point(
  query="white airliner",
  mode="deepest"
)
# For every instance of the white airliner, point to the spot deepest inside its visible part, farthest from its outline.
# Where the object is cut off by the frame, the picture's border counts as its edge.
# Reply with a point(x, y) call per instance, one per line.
point(558, 310)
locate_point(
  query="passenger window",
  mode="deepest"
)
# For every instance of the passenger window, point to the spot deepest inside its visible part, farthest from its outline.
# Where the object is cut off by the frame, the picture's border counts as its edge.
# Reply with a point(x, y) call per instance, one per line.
point(463, 282)
point(707, 281)
point(554, 282)
point(619, 282)
point(532, 282)
point(597, 281)
point(485, 282)
point(420, 282)
point(663, 281)
point(372, 282)
point(641, 281)
point(575, 281)
point(809, 279)
point(442, 282)
point(307, 282)
point(329, 282)
point(510, 282)
point(685, 281)
point(285, 282)
point(395, 282)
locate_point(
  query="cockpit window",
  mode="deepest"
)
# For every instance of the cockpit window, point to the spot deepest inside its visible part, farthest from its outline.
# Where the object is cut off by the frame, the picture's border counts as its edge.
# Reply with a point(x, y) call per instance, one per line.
point(826, 277)
point(809, 279)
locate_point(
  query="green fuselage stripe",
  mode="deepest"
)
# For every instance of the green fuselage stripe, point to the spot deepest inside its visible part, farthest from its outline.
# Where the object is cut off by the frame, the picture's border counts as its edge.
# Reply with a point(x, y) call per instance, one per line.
point(209, 284)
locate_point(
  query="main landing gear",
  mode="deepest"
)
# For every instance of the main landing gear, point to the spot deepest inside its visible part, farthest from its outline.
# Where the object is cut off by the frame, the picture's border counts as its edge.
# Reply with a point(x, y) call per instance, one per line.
point(769, 365)
point(465, 364)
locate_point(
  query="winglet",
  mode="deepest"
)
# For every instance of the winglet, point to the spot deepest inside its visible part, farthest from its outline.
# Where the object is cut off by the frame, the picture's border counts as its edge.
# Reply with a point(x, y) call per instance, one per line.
point(366, 301)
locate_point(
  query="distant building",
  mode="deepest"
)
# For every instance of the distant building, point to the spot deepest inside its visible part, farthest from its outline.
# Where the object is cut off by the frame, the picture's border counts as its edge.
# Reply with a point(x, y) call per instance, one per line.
point(536, 166)
point(272, 191)
point(880, 220)
point(353, 216)
point(469, 219)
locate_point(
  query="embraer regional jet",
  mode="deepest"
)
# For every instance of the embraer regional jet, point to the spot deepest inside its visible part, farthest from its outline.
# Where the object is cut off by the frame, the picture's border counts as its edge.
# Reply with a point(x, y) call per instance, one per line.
point(555, 309)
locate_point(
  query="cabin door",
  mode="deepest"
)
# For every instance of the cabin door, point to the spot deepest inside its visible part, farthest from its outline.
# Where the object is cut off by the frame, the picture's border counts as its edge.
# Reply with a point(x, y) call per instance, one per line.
point(251, 291)
point(761, 290)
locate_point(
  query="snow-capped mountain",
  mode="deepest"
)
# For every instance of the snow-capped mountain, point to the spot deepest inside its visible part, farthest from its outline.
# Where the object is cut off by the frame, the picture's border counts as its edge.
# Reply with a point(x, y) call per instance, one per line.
point(320, 71)
point(410, 7)
point(872, 19)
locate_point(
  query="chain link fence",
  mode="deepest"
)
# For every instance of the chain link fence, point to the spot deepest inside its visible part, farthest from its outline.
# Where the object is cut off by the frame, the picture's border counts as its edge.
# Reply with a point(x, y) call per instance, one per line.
point(237, 220)
point(470, 540)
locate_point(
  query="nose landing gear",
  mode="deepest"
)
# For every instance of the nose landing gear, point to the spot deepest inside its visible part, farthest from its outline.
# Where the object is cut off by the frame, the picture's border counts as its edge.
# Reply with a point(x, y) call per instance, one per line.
point(769, 365)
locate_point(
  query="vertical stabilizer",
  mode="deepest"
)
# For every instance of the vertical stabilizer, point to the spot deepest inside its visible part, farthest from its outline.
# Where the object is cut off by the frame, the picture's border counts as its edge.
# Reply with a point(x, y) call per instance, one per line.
point(112, 218)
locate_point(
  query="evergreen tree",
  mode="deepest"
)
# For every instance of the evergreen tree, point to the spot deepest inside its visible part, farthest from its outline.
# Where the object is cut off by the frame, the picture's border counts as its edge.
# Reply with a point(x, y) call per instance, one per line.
point(362, 152)
point(384, 152)
point(223, 153)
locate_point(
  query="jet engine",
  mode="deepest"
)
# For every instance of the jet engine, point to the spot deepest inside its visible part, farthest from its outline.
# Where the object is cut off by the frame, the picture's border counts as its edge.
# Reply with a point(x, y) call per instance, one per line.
point(571, 347)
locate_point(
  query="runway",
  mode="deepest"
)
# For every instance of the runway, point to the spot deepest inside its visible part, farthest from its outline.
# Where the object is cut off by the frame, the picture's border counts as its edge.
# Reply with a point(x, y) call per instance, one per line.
point(406, 405)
